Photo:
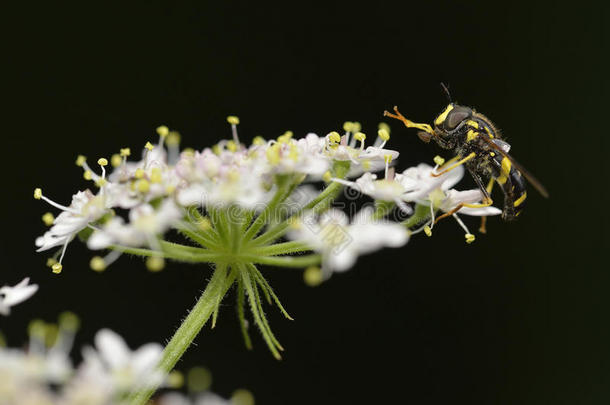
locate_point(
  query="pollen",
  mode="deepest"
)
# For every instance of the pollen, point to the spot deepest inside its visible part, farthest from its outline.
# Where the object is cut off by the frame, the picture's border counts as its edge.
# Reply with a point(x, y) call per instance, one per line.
point(155, 175)
point(149, 146)
point(97, 264)
point(155, 264)
point(37, 193)
point(87, 175)
point(57, 268)
point(80, 160)
point(163, 131)
point(233, 120)
point(51, 261)
point(312, 276)
point(348, 126)
point(101, 182)
point(384, 126)
point(439, 160)
point(143, 186)
point(48, 219)
point(102, 162)
point(258, 140)
point(173, 138)
point(116, 160)
point(384, 134)
point(334, 137)
point(469, 238)
point(285, 138)
point(139, 173)
point(231, 145)
point(428, 231)
point(359, 136)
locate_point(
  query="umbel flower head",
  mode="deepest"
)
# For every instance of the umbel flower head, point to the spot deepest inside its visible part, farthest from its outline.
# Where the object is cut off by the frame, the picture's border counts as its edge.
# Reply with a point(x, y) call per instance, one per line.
point(236, 205)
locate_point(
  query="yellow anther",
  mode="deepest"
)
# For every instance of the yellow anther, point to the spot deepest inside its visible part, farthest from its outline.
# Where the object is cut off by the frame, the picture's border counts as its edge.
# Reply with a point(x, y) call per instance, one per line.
point(51, 333)
point(258, 140)
point(170, 189)
point(56, 268)
point(48, 219)
point(155, 175)
point(273, 154)
point(143, 186)
point(139, 173)
point(163, 131)
point(285, 138)
point(204, 224)
point(294, 153)
point(313, 276)
point(37, 193)
point(149, 146)
point(80, 160)
point(175, 379)
point(242, 397)
point(37, 328)
point(427, 230)
point(439, 160)
point(347, 126)
point(216, 149)
point(155, 263)
point(384, 134)
point(233, 120)
point(68, 320)
point(356, 127)
point(87, 175)
point(198, 379)
point(387, 158)
point(233, 175)
point(116, 160)
point(101, 182)
point(173, 138)
point(469, 238)
point(97, 264)
point(294, 223)
point(385, 126)
point(125, 152)
point(359, 136)
point(231, 145)
point(51, 261)
point(327, 176)
point(334, 137)
point(102, 162)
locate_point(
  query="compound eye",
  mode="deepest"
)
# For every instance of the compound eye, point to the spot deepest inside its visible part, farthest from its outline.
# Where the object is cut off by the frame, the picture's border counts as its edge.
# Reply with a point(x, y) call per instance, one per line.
point(455, 117)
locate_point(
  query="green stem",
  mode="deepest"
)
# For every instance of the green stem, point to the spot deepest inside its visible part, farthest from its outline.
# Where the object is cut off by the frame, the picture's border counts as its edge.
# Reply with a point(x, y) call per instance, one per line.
point(185, 334)
point(183, 255)
point(421, 214)
point(280, 248)
point(259, 222)
point(289, 261)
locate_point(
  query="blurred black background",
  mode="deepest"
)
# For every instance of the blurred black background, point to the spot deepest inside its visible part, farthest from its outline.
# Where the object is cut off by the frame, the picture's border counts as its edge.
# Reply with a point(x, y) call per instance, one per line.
point(520, 316)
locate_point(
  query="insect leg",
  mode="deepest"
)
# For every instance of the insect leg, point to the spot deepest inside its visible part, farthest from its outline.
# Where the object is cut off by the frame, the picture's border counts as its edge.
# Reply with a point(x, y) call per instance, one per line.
point(490, 186)
point(408, 123)
point(453, 166)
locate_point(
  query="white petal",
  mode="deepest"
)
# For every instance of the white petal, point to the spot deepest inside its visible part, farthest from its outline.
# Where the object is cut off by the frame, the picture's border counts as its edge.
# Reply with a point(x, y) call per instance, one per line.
point(112, 348)
point(480, 212)
point(146, 357)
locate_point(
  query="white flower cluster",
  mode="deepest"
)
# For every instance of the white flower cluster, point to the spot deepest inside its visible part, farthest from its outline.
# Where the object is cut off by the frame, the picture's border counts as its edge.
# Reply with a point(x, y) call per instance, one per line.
point(139, 201)
point(45, 374)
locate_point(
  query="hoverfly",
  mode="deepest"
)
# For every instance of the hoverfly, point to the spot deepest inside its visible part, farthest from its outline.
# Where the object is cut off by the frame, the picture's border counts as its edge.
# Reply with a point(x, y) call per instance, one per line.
point(478, 146)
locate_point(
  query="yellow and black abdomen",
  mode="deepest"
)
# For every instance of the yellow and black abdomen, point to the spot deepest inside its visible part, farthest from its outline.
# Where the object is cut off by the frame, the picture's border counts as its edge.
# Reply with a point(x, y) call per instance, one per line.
point(513, 186)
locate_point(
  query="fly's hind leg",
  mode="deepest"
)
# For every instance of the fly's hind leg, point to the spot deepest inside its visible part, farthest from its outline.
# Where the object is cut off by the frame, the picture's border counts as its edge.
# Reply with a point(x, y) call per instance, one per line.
point(490, 186)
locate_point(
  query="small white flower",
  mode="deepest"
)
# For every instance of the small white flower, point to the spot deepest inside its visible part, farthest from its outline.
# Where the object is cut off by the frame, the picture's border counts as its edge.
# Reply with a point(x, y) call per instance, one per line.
point(340, 242)
point(11, 296)
point(112, 361)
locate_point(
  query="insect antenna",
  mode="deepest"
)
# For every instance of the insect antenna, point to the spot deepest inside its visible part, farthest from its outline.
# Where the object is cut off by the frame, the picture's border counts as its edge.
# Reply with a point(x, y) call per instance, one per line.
point(446, 90)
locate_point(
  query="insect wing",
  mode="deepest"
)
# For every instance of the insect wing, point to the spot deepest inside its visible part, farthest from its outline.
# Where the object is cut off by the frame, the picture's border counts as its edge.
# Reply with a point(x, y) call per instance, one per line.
point(530, 177)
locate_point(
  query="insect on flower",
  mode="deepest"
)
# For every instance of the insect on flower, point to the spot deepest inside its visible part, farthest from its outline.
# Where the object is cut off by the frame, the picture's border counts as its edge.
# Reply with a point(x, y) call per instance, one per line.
point(478, 146)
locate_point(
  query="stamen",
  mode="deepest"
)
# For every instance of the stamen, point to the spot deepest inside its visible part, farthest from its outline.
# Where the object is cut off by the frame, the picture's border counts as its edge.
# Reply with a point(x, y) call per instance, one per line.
point(149, 147)
point(258, 141)
point(359, 136)
point(234, 121)
point(387, 159)
point(39, 196)
point(116, 160)
point(439, 161)
point(428, 230)
point(312, 276)
point(469, 237)
point(333, 138)
point(80, 160)
point(327, 176)
point(285, 138)
point(173, 146)
point(163, 131)
point(383, 136)
point(48, 219)
point(155, 263)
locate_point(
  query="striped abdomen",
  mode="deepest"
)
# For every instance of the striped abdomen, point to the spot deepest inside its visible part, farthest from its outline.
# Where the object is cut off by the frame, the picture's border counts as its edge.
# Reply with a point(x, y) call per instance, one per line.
point(513, 185)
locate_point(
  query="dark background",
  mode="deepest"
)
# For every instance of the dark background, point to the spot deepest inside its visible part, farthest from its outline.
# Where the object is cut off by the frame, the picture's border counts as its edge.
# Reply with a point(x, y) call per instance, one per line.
point(520, 316)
